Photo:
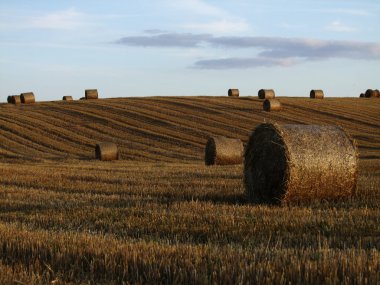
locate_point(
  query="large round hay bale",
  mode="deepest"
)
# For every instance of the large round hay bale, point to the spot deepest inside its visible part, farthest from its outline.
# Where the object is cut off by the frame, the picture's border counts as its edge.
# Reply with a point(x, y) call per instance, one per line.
point(372, 93)
point(271, 105)
point(16, 99)
point(317, 94)
point(106, 151)
point(223, 151)
point(293, 163)
point(233, 92)
point(67, 98)
point(266, 94)
point(91, 94)
point(27, 98)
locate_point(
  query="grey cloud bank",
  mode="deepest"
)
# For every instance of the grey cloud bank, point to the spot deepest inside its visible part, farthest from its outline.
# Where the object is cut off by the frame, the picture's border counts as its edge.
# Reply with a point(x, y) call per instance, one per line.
point(270, 51)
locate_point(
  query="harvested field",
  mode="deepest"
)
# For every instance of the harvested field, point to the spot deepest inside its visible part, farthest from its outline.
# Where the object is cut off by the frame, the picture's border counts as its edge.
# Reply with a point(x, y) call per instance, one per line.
point(159, 215)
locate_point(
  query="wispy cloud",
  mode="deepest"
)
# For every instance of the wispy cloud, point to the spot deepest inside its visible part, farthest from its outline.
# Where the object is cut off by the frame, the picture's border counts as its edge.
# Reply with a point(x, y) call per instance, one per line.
point(338, 26)
point(269, 51)
point(183, 40)
point(244, 63)
point(62, 20)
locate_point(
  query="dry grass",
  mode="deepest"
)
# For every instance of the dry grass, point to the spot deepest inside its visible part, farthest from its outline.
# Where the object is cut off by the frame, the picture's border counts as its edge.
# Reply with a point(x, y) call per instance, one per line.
point(162, 216)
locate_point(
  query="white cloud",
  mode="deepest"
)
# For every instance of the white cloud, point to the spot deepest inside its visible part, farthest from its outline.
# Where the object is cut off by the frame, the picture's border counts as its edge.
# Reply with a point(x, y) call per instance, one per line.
point(338, 26)
point(63, 20)
point(219, 26)
point(196, 6)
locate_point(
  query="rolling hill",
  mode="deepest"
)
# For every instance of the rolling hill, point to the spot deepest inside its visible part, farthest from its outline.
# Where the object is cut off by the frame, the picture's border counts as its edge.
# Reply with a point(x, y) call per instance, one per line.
point(167, 129)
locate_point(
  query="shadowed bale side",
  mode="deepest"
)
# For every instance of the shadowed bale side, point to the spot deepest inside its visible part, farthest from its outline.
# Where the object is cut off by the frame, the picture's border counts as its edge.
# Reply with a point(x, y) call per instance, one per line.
point(91, 94)
point(293, 163)
point(67, 98)
point(233, 92)
point(362, 95)
point(106, 151)
point(266, 94)
point(27, 98)
point(9, 99)
point(223, 151)
point(272, 105)
point(16, 99)
point(317, 94)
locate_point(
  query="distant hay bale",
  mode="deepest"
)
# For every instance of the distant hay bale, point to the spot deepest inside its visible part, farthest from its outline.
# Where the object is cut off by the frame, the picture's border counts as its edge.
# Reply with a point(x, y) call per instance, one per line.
point(223, 151)
point(372, 93)
point(82, 98)
point(266, 94)
point(16, 99)
point(293, 163)
point(27, 98)
point(91, 94)
point(362, 95)
point(67, 98)
point(233, 92)
point(9, 99)
point(317, 94)
point(106, 151)
point(272, 105)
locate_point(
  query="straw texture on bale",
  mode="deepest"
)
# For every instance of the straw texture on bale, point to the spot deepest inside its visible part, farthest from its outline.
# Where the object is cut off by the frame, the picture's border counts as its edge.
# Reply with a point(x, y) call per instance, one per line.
point(106, 151)
point(67, 98)
point(266, 94)
point(294, 163)
point(91, 94)
point(16, 99)
point(271, 105)
point(233, 92)
point(223, 151)
point(372, 93)
point(27, 98)
point(317, 94)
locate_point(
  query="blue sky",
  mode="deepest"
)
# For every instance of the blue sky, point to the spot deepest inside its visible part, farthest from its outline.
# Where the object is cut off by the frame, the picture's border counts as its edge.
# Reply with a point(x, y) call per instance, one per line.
point(188, 47)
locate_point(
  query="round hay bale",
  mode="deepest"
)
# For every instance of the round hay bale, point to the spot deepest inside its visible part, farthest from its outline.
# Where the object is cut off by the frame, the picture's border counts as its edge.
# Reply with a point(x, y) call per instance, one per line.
point(293, 163)
point(362, 95)
point(370, 93)
point(67, 98)
point(27, 98)
point(16, 99)
point(91, 94)
point(317, 94)
point(106, 151)
point(223, 151)
point(9, 99)
point(272, 105)
point(376, 93)
point(266, 94)
point(233, 92)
